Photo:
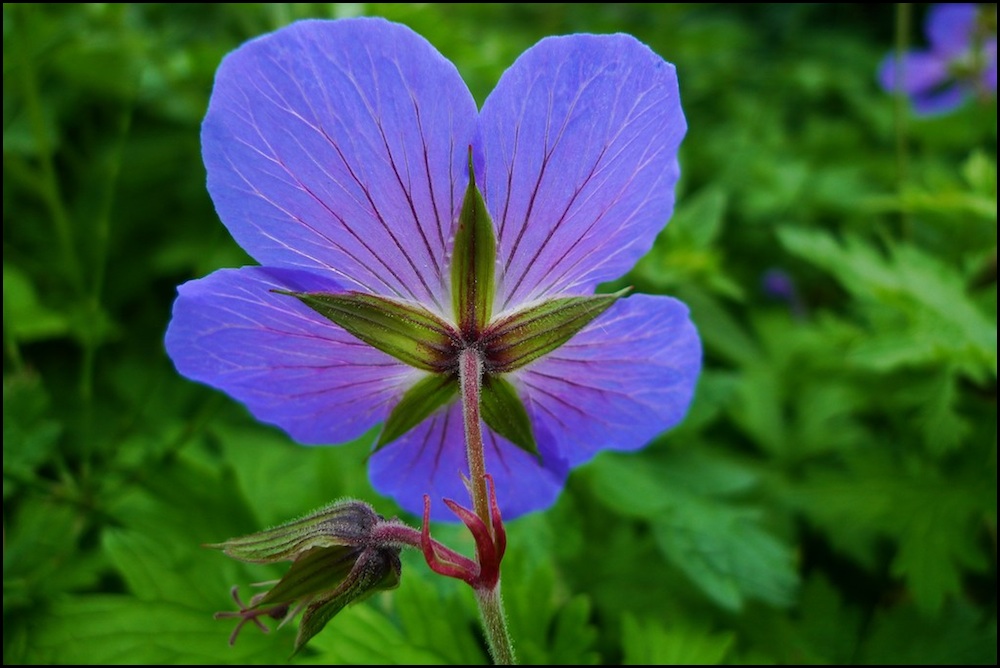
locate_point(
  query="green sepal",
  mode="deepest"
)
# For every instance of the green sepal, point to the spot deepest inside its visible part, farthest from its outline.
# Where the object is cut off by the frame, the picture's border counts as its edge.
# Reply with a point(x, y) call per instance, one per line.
point(520, 338)
point(504, 413)
point(342, 524)
point(473, 262)
point(318, 571)
point(417, 404)
point(374, 571)
point(410, 333)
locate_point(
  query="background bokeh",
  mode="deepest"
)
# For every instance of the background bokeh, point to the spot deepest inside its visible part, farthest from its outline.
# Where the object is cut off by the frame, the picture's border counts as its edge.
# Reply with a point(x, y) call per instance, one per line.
point(831, 497)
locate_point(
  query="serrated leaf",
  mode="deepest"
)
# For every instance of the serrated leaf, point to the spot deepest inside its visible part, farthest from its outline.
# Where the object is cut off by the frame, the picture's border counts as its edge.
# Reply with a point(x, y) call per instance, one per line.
point(24, 316)
point(649, 644)
point(902, 635)
point(428, 395)
point(919, 308)
point(547, 626)
point(942, 427)
point(364, 635)
point(518, 339)
point(931, 520)
point(310, 477)
point(107, 630)
point(163, 525)
point(824, 628)
point(473, 262)
point(723, 548)
point(503, 411)
point(643, 487)
point(30, 434)
point(427, 616)
point(171, 505)
point(573, 635)
point(44, 555)
point(408, 332)
point(936, 546)
point(727, 553)
point(155, 571)
point(761, 410)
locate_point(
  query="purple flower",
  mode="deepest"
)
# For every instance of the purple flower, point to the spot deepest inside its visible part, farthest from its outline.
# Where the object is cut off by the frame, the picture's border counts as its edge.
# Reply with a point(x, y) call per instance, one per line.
point(337, 157)
point(961, 60)
point(778, 284)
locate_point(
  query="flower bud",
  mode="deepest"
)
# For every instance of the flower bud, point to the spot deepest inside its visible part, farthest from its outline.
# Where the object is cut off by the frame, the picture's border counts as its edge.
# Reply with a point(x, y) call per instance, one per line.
point(337, 559)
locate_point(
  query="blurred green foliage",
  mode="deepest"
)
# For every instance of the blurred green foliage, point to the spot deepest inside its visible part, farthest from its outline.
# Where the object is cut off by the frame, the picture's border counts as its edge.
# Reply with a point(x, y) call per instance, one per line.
point(831, 497)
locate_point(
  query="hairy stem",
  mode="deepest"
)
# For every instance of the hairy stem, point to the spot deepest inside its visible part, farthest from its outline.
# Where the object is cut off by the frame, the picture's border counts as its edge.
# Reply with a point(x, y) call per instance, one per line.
point(490, 603)
point(495, 624)
point(470, 387)
point(403, 535)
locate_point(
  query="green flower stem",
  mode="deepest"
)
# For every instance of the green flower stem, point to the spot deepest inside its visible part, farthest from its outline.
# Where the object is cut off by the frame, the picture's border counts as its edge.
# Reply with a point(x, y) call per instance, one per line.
point(470, 372)
point(495, 624)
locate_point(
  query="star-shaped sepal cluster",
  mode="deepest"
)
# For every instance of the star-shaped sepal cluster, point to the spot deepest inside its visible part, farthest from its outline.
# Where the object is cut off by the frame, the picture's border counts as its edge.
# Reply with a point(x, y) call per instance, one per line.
point(415, 335)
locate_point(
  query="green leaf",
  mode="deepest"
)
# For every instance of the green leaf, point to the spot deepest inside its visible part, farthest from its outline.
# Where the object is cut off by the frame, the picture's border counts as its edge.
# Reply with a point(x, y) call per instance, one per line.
point(761, 410)
point(650, 644)
point(107, 630)
point(942, 427)
point(473, 262)
point(824, 629)
point(520, 338)
point(937, 545)
point(171, 504)
point(980, 173)
point(417, 404)
point(428, 616)
point(547, 626)
point(723, 333)
point(309, 478)
point(902, 635)
point(698, 220)
point(644, 487)
point(24, 316)
point(44, 555)
point(504, 413)
point(723, 548)
point(408, 332)
point(30, 435)
point(165, 523)
point(364, 635)
point(919, 311)
point(931, 519)
point(686, 251)
point(727, 553)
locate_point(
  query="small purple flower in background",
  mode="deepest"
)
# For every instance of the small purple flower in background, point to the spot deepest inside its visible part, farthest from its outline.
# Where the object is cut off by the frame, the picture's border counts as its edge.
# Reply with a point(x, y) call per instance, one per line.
point(779, 285)
point(338, 156)
point(961, 61)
